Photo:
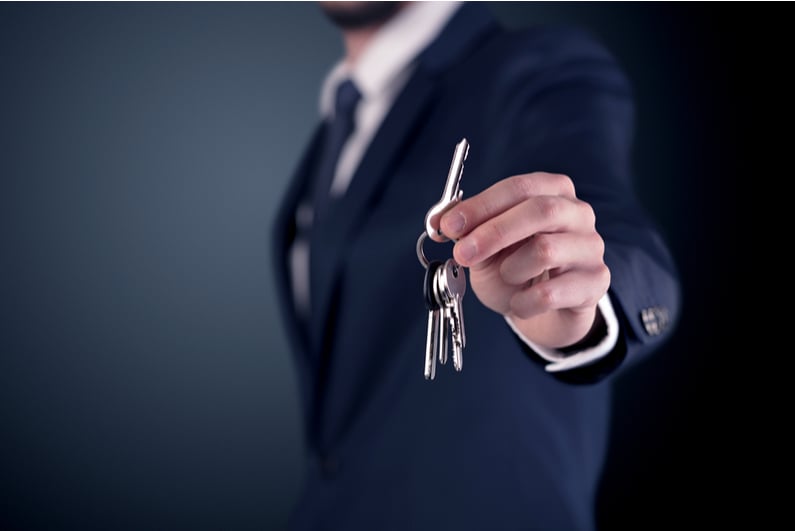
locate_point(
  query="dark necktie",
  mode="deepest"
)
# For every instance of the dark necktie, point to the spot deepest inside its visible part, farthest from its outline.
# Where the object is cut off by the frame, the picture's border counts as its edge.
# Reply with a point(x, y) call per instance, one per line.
point(337, 132)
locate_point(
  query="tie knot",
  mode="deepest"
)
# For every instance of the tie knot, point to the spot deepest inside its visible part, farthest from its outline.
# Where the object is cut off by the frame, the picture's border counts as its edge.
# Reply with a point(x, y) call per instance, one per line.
point(347, 98)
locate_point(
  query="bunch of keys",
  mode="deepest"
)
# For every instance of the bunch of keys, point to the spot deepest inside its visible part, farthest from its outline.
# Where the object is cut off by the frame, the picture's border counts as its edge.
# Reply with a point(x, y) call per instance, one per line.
point(445, 282)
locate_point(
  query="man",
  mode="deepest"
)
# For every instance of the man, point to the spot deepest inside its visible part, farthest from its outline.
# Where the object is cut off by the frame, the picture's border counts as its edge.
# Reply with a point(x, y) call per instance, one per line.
point(568, 281)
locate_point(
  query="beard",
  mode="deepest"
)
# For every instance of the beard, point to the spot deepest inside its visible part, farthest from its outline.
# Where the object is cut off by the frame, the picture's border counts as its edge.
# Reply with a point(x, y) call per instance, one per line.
point(357, 15)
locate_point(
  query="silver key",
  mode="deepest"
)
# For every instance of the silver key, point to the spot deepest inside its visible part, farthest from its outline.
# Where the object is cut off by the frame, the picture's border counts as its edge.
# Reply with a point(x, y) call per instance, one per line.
point(435, 328)
point(432, 344)
point(451, 286)
point(444, 327)
point(451, 195)
point(445, 283)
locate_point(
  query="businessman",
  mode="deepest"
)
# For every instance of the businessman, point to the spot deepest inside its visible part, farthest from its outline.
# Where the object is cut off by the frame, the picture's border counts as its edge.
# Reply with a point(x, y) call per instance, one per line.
point(568, 281)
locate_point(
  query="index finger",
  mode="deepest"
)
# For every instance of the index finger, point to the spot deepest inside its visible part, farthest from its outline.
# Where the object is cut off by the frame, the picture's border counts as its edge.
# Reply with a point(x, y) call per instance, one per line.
point(501, 196)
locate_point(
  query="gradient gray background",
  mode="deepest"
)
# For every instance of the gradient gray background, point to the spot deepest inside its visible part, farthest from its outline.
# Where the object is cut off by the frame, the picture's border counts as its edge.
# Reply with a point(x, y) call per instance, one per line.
point(145, 381)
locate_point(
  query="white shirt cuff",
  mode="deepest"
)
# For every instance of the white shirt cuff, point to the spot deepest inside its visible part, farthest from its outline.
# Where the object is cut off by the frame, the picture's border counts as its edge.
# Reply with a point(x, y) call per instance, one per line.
point(562, 362)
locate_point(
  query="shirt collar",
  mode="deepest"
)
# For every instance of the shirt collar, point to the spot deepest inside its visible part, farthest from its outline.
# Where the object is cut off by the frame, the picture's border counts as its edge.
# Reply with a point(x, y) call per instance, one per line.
point(391, 51)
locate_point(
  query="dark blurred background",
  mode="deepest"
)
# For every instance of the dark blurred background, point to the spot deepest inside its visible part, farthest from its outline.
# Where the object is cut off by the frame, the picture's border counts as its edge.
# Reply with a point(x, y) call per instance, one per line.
point(145, 382)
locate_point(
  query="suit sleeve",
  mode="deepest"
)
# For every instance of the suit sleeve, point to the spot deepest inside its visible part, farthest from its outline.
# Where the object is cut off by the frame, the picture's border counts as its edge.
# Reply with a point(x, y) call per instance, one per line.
point(564, 105)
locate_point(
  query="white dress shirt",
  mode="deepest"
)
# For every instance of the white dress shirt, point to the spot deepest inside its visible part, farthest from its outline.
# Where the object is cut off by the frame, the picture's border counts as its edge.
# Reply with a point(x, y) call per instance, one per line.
point(380, 73)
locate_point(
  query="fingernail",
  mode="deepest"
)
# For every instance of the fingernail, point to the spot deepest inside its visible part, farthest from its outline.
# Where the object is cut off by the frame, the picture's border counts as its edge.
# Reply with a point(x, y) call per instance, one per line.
point(454, 223)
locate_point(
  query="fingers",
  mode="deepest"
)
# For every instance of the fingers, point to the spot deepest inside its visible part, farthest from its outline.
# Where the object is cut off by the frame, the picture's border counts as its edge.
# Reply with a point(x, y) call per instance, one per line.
point(545, 252)
point(539, 214)
point(500, 197)
point(579, 289)
point(512, 210)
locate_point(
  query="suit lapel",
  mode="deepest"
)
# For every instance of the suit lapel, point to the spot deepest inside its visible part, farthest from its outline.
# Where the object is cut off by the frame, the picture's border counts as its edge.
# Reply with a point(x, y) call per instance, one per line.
point(347, 214)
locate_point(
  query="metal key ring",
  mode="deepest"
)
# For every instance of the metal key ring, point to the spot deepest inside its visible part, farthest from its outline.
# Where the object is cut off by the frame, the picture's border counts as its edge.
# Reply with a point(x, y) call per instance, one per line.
point(420, 252)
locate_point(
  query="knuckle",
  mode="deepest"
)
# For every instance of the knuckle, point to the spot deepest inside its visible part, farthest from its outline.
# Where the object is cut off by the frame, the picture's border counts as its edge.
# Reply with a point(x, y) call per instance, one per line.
point(566, 183)
point(544, 249)
point(545, 296)
point(588, 214)
point(605, 276)
point(548, 206)
point(598, 244)
point(523, 186)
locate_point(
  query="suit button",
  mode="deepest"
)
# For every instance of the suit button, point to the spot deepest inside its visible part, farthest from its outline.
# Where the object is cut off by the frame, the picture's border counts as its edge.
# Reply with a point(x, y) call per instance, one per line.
point(329, 466)
point(655, 319)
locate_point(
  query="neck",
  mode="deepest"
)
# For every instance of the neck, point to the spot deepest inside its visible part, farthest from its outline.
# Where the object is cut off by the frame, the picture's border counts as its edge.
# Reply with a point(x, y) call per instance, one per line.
point(356, 42)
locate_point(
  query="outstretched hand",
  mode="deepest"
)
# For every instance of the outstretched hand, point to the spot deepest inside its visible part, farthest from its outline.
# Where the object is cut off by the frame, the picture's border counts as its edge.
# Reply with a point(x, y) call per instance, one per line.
point(533, 254)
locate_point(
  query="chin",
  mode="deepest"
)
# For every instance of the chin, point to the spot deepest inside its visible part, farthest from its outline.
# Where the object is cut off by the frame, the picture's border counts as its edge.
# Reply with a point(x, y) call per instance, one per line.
point(358, 15)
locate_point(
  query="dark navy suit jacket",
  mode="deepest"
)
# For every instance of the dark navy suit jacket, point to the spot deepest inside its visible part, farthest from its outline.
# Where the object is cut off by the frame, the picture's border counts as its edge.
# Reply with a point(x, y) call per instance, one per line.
point(503, 444)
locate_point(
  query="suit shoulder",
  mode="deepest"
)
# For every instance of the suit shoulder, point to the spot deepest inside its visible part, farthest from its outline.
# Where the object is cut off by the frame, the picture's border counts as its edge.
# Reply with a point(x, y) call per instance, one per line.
point(556, 43)
point(540, 57)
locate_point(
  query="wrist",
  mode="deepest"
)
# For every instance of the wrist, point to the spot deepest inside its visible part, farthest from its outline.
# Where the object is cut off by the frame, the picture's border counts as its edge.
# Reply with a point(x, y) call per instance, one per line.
point(595, 335)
